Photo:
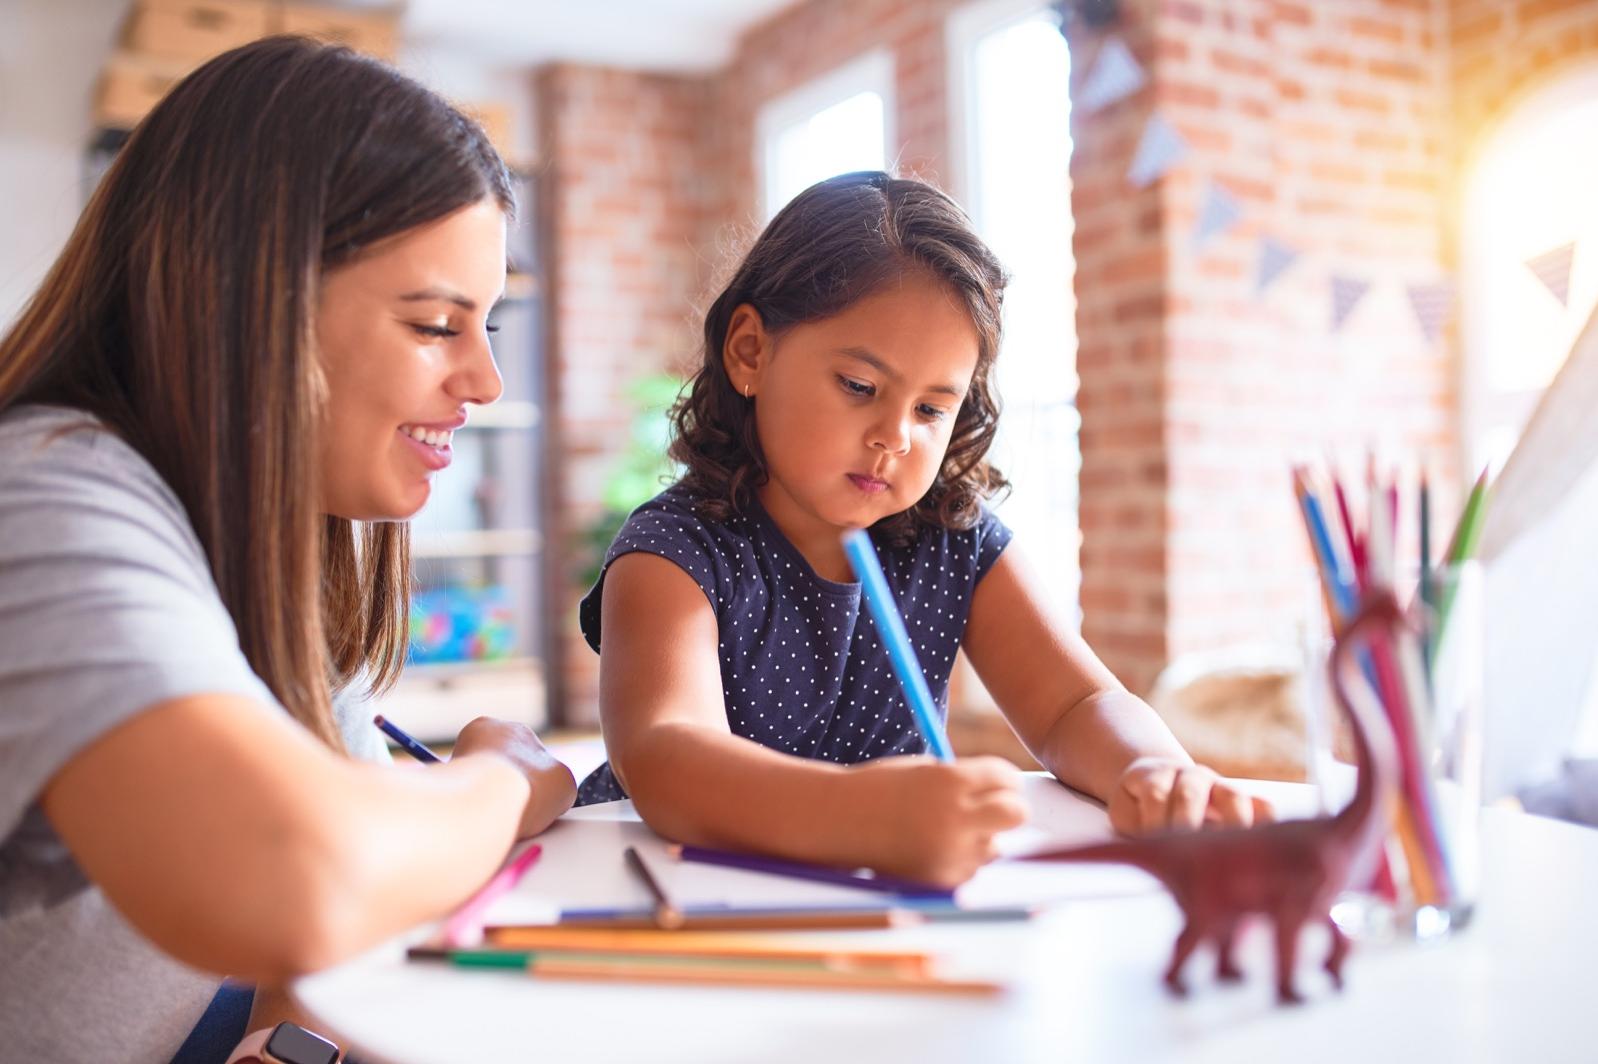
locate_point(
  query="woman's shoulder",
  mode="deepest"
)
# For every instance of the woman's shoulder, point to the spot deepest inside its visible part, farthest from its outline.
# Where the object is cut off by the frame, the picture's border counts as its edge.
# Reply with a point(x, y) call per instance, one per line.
point(74, 449)
point(68, 482)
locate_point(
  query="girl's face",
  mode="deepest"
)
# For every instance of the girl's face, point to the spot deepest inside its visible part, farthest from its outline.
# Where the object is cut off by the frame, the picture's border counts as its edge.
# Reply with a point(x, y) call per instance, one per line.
point(403, 339)
point(854, 412)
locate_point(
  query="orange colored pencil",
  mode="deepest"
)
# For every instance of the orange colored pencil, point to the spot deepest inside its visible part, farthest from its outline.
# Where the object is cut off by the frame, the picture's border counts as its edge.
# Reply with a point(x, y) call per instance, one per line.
point(743, 976)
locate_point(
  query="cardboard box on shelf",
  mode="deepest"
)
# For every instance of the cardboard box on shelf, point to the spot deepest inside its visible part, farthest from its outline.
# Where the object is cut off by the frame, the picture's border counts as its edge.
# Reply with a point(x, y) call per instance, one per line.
point(495, 118)
point(130, 85)
point(372, 32)
point(194, 30)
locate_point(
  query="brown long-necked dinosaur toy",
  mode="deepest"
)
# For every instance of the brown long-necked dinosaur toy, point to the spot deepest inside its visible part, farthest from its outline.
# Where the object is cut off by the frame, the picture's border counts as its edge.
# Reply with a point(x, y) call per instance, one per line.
point(1288, 872)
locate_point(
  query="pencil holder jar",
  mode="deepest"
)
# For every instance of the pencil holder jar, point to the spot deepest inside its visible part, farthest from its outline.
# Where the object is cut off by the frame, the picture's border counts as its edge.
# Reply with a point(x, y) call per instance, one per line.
point(1426, 677)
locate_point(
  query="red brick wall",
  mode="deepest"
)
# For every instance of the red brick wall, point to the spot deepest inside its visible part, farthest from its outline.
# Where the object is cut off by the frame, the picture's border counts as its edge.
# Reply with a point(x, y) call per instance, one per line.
point(810, 40)
point(1338, 126)
point(623, 204)
point(1503, 48)
point(1327, 122)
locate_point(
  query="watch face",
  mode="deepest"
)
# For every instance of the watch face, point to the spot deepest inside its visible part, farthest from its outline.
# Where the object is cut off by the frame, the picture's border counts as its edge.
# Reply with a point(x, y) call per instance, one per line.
point(293, 1044)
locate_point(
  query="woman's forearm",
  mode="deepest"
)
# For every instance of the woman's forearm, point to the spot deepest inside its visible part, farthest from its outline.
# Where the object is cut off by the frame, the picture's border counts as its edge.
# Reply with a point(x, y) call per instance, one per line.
point(412, 841)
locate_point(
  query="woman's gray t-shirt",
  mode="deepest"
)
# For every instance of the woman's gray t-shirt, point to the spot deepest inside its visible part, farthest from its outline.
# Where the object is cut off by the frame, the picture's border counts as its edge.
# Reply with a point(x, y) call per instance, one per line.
point(107, 607)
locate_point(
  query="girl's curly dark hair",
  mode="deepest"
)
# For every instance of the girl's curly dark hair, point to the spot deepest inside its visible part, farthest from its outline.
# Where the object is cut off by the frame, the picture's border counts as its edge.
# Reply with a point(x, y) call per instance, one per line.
point(836, 243)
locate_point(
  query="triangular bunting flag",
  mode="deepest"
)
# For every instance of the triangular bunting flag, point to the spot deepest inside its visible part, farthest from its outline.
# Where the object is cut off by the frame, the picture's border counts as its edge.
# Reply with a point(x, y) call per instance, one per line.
point(1158, 150)
point(1553, 269)
point(1346, 294)
point(1219, 213)
point(1275, 258)
point(1432, 304)
point(1115, 76)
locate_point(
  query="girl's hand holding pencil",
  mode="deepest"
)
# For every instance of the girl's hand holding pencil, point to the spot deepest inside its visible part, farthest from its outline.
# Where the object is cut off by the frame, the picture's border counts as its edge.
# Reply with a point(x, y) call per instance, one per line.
point(937, 820)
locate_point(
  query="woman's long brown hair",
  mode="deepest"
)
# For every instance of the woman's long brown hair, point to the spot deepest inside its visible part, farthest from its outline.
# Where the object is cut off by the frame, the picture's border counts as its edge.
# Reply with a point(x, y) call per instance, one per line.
point(181, 313)
point(838, 242)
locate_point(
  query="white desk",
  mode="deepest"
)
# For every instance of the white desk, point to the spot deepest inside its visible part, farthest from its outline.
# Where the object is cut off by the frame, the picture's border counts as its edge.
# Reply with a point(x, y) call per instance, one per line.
point(1086, 981)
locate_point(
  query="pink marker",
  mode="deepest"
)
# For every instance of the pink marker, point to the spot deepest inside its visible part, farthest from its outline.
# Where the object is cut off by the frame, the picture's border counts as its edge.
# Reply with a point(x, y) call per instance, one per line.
point(465, 925)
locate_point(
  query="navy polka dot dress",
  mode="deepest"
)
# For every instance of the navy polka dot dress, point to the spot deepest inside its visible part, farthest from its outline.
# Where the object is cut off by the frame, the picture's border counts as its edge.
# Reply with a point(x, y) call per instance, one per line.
point(802, 668)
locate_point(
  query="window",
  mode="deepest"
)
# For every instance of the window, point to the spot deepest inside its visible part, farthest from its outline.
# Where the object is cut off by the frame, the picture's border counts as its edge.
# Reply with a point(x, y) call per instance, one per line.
point(1528, 192)
point(834, 125)
point(1009, 76)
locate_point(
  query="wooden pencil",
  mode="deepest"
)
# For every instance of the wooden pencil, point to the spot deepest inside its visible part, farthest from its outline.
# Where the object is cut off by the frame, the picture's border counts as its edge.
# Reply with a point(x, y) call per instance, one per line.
point(799, 920)
point(688, 943)
point(667, 915)
point(760, 978)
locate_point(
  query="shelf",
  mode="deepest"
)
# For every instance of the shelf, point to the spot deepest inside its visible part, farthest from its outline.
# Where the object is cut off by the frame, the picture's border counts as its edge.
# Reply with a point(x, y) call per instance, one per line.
point(482, 543)
point(441, 671)
point(434, 702)
point(507, 414)
point(520, 286)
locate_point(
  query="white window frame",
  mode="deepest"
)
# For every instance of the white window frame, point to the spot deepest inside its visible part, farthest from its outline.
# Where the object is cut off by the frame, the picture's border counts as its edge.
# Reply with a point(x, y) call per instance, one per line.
point(964, 27)
point(870, 72)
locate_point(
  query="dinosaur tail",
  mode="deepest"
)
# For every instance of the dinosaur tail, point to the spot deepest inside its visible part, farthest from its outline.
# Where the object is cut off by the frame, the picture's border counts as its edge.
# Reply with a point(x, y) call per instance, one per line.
point(1115, 851)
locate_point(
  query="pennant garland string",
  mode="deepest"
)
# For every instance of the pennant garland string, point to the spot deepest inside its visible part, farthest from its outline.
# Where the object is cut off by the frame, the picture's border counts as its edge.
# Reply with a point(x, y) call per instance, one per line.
point(1433, 304)
point(1553, 270)
point(1160, 148)
point(1346, 295)
point(1220, 213)
point(1114, 77)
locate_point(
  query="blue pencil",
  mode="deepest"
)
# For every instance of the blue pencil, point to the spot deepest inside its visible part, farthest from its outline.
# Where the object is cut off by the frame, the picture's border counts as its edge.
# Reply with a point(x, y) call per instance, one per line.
point(406, 743)
point(912, 681)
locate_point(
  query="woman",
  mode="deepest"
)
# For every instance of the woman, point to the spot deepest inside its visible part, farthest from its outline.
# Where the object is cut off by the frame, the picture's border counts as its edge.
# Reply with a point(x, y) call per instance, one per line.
point(216, 414)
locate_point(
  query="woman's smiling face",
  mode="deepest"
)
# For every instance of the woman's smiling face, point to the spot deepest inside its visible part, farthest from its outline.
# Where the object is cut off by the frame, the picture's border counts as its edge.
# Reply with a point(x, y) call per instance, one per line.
point(403, 337)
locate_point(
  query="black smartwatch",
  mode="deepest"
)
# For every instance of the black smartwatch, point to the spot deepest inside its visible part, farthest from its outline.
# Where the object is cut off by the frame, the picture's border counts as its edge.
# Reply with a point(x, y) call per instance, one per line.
point(292, 1044)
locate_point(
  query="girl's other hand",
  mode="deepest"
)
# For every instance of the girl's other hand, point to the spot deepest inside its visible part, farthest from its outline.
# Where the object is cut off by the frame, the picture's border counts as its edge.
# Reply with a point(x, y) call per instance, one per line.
point(1164, 794)
point(935, 822)
point(553, 787)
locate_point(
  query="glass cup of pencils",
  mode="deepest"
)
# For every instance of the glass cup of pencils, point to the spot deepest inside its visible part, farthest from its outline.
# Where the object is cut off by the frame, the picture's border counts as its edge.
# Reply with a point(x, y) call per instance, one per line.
point(1426, 678)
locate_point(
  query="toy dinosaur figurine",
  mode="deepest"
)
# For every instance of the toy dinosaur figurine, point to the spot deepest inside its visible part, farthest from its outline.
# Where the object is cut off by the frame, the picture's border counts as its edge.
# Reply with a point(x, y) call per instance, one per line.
point(1289, 872)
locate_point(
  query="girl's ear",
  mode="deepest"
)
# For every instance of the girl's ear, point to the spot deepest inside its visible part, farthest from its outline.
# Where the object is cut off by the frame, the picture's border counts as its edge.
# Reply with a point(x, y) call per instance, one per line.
point(745, 351)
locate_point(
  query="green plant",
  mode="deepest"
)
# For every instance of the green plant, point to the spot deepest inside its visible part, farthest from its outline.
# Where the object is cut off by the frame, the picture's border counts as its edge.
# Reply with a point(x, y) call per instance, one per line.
point(641, 470)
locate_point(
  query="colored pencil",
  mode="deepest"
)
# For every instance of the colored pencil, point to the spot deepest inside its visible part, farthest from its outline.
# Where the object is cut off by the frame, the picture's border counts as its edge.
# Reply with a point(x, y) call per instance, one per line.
point(735, 975)
point(406, 743)
point(776, 866)
point(465, 926)
point(912, 681)
point(1461, 548)
point(715, 944)
point(821, 918)
point(667, 915)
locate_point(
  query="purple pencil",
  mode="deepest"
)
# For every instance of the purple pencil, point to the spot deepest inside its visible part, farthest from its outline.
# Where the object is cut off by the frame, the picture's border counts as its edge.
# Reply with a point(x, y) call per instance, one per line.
point(775, 866)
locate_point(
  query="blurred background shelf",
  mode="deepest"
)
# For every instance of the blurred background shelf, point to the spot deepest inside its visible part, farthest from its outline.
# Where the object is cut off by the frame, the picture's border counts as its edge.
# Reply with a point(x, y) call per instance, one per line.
point(477, 543)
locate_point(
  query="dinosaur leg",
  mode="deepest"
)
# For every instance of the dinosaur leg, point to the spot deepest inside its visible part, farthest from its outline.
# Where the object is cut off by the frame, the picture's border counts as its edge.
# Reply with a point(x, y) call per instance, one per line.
point(1287, 928)
point(1339, 950)
point(1186, 942)
point(1226, 968)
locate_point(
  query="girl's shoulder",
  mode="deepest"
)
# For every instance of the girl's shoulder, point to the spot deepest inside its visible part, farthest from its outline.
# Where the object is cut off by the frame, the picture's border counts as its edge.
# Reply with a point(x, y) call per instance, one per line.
point(973, 549)
point(679, 514)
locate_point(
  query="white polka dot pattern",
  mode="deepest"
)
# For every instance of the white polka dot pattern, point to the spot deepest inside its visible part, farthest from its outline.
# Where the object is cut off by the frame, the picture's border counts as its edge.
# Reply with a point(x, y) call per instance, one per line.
point(802, 669)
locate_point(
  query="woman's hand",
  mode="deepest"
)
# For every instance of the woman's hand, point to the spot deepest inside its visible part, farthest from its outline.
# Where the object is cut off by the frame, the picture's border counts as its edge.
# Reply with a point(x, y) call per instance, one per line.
point(935, 822)
point(553, 788)
point(1165, 794)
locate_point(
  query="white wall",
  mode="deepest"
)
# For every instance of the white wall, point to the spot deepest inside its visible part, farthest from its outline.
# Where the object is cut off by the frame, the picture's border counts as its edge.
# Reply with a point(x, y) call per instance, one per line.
point(51, 52)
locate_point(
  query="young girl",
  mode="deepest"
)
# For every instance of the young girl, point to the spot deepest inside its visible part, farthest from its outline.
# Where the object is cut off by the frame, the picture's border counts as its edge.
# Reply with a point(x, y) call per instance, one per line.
point(746, 698)
point(216, 414)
